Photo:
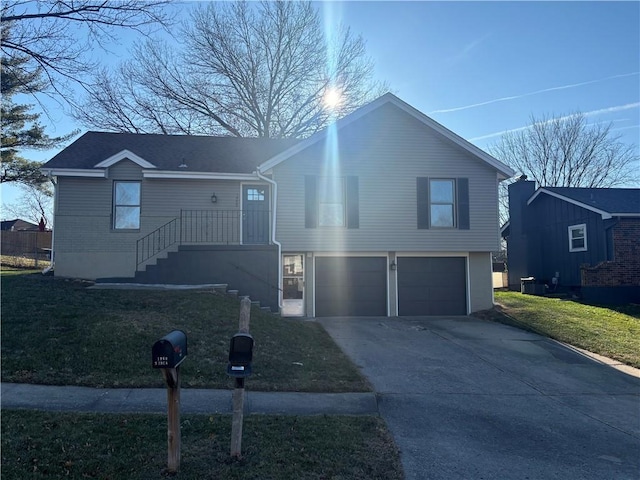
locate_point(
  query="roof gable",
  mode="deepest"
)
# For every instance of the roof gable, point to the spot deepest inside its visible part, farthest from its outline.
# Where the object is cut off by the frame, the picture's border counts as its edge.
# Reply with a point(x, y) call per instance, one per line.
point(503, 170)
point(607, 202)
point(124, 155)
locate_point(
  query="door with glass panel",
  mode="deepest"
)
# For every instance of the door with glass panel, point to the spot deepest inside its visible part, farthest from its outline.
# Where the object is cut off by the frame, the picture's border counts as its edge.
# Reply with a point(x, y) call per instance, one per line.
point(293, 285)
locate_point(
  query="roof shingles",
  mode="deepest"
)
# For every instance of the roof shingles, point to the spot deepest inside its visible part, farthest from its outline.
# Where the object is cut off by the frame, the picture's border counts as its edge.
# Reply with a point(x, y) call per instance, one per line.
point(168, 152)
point(610, 200)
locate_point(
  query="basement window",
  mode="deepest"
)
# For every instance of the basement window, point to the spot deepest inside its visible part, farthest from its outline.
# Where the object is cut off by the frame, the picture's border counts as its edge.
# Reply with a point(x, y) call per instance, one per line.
point(578, 238)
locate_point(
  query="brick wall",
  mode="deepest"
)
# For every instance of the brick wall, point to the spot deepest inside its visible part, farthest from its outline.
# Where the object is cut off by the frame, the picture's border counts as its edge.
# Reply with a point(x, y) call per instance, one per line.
point(625, 269)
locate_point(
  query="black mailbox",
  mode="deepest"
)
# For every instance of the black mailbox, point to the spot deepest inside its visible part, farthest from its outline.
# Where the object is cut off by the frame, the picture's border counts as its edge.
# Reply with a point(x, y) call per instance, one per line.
point(170, 351)
point(240, 355)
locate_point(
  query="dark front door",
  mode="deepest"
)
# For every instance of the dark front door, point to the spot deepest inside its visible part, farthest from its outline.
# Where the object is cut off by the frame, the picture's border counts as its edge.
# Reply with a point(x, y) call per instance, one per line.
point(255, 214)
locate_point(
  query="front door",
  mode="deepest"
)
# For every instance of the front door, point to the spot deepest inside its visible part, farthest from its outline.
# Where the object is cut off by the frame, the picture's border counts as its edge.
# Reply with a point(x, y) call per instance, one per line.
point(293, 285)
point(255, 214)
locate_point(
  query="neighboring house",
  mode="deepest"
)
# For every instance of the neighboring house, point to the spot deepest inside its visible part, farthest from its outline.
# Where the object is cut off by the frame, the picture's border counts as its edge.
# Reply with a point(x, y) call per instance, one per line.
point(583, 240)
point(18, 225)
point(386, 212)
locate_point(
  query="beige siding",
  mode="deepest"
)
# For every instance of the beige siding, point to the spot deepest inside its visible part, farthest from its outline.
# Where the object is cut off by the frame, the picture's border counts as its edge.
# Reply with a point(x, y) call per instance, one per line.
point(387, 151)
point(480, 281)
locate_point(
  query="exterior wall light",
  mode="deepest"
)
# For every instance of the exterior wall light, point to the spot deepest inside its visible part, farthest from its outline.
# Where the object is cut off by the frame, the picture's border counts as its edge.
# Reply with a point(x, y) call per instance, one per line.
point(214, 199)
point(392, 265)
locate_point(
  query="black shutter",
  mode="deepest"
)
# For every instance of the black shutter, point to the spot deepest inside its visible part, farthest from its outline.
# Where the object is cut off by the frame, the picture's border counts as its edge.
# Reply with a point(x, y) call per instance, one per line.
point(422, 190)
point(310, 202)
point(463, 203)
point(353, 202)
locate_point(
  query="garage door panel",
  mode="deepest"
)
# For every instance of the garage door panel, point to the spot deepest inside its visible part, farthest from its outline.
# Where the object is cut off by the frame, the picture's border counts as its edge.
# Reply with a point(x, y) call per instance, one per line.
point(351, 286)
point(432, 286)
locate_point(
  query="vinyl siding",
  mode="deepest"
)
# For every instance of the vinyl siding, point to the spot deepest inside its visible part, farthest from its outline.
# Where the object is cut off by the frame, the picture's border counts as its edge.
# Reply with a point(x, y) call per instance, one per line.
point(86, 245)
point(387, 150)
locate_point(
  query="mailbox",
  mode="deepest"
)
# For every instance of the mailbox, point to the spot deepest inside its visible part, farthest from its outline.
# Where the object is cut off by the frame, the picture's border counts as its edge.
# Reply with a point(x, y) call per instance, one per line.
point(170, 351)
point(240, 355)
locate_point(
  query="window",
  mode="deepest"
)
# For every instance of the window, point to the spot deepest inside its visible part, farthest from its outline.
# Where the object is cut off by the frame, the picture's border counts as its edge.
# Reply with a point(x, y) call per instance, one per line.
point(441, 203)
point(578, 238)
point(255, 194)
point(331, 202)
point(126, 205)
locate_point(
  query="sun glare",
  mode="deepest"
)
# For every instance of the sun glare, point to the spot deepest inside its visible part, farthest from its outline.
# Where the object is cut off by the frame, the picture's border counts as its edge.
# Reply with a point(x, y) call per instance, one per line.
point(332, 98)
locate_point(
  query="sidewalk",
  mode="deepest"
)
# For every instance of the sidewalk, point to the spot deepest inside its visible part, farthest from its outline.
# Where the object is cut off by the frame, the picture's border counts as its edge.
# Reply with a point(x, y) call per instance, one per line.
point(205, 401)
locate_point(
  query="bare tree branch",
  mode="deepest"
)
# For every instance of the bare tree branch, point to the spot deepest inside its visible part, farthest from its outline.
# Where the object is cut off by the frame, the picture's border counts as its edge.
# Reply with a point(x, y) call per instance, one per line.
point(566, 152)
point(56, 35)
point(240, 68)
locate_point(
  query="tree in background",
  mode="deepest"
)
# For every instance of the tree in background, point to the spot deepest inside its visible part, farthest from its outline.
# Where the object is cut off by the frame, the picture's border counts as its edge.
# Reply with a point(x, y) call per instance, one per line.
point(45, 46)
point(20, 127)
point(567, 152)
point(55, 37)
point(34, 205)
point(240, 68)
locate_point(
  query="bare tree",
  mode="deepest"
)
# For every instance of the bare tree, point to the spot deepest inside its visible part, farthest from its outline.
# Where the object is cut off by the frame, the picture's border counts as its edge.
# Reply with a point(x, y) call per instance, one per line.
point(56, 35)
point(33, 204)
point(240, 68)
point(565, 151)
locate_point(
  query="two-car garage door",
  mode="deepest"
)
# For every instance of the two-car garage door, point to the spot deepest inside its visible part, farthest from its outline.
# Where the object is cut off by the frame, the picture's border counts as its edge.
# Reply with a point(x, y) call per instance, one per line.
point(357, 286)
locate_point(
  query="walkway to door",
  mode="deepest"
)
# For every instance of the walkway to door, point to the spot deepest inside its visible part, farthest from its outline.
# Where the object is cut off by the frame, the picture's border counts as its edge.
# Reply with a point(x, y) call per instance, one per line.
point(466, 398)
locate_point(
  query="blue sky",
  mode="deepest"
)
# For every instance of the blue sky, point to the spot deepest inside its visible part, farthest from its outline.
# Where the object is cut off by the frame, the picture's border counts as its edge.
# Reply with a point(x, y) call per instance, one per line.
point(483, 68)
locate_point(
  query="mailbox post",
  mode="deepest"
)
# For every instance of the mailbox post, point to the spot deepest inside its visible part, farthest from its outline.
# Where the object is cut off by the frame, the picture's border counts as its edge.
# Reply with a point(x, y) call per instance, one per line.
point(239, 367)
point(167, 354)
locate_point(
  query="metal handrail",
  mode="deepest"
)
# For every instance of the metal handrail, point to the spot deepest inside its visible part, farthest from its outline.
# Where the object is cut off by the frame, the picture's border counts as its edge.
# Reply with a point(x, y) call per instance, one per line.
point(216, 227)
point(157, 241)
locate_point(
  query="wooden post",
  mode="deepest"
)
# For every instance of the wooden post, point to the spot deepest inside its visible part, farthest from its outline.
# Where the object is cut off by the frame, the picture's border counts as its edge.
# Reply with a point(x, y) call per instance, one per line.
point(172, 379)
point(238, 391)
point(245, 315)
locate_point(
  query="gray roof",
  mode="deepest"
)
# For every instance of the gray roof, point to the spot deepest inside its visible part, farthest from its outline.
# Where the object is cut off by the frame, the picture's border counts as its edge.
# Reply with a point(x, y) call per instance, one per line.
point(610, 200)
point(167, 152)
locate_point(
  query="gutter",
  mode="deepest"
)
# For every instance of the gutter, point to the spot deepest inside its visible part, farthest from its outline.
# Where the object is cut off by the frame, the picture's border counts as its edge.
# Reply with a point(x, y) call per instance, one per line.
point(53, 229)
point(273, 231)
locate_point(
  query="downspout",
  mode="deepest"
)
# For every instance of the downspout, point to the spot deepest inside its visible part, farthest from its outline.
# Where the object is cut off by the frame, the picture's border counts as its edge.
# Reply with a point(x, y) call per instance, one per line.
point(273, 232)
point(53, 230)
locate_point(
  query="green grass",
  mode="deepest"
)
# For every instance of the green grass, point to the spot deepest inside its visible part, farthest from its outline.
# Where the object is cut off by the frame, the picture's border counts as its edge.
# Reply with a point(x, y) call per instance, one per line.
point(59, 332)
point(612, 332)
point(63, 445)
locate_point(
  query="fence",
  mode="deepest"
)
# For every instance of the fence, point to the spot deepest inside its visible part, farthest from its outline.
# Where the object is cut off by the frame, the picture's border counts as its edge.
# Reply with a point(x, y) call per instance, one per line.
point(32, 245)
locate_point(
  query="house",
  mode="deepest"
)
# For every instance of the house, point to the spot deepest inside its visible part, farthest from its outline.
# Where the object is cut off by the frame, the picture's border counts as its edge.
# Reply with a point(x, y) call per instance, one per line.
point(386, 212)
point(583, 240)
point(18, 225)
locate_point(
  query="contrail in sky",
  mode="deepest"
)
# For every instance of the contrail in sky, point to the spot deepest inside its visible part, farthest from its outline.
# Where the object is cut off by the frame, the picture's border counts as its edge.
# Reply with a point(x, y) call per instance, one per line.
point(617, 108)
point(514, 97)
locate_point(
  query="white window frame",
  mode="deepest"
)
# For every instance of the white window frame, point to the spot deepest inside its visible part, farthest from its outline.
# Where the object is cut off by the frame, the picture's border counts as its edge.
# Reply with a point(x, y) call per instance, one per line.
point(339, 205)
point(572, 228)
point(117, 205)
point(452, 181)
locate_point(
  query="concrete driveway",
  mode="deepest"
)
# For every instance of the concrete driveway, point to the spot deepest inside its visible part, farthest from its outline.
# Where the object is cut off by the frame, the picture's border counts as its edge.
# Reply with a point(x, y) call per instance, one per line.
point(467, 398)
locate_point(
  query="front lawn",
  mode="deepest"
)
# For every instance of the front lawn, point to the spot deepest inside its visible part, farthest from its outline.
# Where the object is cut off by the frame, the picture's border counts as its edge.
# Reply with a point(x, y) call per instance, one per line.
point(65, 445)
point(612, 332)
point(59, 332)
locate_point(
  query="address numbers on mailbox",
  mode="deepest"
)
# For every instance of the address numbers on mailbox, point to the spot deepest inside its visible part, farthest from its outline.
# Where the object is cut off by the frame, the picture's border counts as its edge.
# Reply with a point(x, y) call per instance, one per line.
point(170, 351)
